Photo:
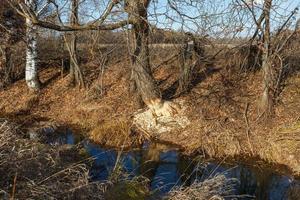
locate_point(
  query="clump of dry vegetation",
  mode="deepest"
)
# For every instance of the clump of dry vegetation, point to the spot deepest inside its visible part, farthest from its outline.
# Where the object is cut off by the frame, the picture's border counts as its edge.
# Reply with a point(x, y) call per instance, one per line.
point(31, 170)
point(116, 133)
point(216, 188)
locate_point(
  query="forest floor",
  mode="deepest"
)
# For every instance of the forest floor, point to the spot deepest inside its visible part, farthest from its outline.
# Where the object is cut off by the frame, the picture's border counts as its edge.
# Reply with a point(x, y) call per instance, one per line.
point(222, 108)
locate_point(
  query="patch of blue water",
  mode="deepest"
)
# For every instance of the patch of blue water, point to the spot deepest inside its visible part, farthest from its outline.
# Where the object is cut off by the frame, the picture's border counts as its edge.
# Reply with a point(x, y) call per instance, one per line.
point(166, 171)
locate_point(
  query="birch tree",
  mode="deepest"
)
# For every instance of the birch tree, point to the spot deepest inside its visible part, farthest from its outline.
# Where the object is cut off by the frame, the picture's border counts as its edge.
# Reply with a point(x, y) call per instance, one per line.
point(31, 70)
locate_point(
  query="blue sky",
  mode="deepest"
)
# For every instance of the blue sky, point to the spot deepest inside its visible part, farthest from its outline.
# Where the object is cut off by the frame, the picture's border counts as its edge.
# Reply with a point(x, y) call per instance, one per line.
point(222, 18)
point(216, 16)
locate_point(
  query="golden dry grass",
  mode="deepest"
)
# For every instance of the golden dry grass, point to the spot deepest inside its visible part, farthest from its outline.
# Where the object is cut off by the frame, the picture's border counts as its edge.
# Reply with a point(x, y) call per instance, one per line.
point(31, 170)
point(216, 108)
point(216, 188)
point(116, 133)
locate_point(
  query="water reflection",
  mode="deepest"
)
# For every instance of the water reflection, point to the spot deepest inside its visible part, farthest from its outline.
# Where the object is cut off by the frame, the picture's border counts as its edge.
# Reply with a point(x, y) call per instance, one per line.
point(166, 168)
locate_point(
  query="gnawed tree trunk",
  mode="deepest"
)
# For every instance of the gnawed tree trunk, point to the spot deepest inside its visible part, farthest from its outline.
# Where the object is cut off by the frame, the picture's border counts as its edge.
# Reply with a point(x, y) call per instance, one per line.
point(76, 77)
point(186, 66)
point(31, 71)
point(267, 98)
point(141, 69)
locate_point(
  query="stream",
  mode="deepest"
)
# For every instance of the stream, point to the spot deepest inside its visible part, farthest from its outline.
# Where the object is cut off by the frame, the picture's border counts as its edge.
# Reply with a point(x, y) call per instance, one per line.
point(167, 168)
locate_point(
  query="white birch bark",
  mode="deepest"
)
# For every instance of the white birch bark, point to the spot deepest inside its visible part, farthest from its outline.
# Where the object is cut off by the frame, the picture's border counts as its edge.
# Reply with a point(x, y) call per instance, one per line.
point(31, 74)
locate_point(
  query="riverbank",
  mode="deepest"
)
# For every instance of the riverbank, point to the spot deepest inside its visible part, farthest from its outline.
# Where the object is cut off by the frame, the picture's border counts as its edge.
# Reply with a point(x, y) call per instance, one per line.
point(222, 109)
point(31, 169)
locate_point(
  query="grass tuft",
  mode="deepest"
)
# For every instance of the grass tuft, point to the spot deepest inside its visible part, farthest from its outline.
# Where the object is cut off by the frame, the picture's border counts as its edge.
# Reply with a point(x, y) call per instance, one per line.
point(116, 133)
point(213, 189)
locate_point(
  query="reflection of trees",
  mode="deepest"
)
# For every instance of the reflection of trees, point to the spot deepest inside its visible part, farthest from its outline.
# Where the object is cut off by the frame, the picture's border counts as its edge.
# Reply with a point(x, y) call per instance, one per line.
point(150, 160)
point(166, 168)
point(253, 181)
point(187, 169)
point(159, 164)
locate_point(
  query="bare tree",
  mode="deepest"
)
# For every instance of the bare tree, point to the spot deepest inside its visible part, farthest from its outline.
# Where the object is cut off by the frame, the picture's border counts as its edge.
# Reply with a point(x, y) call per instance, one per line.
point(189, 56)
point(137, 12)
point(76, 76)
point(141, 69)
point(271, 42)
point(268, 89)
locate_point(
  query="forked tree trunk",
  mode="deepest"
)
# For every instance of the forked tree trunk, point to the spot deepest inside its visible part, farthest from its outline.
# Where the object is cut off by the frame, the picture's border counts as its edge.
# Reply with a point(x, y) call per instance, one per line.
point(76, 77)
point(141, 69)
point(266, 104)
point(31, 71)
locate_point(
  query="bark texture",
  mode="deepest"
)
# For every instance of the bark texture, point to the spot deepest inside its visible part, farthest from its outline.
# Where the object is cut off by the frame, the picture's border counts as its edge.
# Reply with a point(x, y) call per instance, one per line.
point(31, 71)
point(141, 70)
point(267, 98)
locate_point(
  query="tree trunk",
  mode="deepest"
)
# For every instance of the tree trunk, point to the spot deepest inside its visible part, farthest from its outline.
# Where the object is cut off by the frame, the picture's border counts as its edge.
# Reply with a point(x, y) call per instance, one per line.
point(6, 66)
point(266, 103)
point(31, 73)
point(142, 74)
point(297, 25)
point(141, 69)
point(76, 77)
point(186, 66)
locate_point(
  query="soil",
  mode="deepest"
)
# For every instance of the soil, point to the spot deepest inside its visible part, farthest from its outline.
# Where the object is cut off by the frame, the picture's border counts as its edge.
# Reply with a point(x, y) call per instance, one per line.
point(222, 107)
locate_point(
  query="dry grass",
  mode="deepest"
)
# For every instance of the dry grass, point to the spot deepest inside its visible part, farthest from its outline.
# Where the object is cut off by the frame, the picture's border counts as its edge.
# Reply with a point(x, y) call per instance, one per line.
point(212, 189)
point(216, 104)
point(31, 170)
point(116, 133)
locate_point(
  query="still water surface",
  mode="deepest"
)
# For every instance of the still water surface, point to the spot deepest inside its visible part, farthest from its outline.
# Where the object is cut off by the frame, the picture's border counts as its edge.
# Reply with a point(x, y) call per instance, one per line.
point(166, 167)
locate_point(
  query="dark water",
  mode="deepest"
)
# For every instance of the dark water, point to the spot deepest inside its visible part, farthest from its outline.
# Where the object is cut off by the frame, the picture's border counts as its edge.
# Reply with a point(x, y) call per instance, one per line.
point(166, 167)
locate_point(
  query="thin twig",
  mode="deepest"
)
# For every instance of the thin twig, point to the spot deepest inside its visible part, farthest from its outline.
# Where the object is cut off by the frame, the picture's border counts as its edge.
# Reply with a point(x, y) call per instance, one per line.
point(14, 187)
point(248, 127)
